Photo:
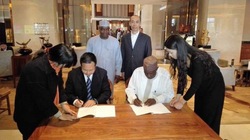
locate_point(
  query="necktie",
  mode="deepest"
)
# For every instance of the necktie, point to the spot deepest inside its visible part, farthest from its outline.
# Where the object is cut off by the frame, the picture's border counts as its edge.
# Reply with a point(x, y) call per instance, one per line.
point(89, 96)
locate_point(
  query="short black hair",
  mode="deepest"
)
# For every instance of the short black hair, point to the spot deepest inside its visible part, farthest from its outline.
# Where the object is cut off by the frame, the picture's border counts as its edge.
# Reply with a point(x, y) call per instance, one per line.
point(88, 57)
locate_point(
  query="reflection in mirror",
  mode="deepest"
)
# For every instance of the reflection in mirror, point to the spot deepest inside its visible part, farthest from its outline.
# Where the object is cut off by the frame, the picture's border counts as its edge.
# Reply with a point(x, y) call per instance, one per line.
point(6, 25)
point(181, 17)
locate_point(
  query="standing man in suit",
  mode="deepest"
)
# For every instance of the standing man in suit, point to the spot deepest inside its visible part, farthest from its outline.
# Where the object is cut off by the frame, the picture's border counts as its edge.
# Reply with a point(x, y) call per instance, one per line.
point(107, 51)
point(77, 83)
point(135, 46)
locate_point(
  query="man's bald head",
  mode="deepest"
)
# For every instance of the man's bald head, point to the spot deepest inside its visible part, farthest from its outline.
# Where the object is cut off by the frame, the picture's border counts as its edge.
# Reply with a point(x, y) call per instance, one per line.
point(150, 66)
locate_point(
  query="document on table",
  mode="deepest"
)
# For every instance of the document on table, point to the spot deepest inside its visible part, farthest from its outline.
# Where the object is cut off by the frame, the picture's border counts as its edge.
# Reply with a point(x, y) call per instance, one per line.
point(153, 109)
point(97, 111)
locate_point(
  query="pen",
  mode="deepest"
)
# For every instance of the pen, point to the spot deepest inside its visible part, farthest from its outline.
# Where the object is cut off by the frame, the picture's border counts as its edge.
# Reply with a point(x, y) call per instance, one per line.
point(136, 96)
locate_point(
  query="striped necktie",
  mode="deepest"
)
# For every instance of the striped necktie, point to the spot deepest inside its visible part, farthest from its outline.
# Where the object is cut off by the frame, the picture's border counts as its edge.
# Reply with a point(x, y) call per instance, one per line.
point(89, 96)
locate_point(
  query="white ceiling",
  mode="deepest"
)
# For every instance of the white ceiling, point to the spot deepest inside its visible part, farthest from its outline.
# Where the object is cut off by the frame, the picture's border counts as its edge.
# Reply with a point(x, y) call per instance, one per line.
point(155, 2)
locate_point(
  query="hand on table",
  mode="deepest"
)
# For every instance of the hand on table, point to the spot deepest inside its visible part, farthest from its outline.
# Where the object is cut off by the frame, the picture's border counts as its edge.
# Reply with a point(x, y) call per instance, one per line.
point(67, 117)
point(67, 109)
point(89, 103)
point(79, 103)
point(174, 100)
point(179, 104)
point(150, 102)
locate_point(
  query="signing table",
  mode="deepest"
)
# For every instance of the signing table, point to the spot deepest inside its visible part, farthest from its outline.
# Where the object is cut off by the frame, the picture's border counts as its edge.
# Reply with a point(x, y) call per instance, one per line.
point(180, 124)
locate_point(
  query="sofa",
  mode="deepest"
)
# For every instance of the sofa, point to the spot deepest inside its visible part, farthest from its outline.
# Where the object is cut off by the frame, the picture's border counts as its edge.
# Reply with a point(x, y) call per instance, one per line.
point(5, 63)
point(228, 72)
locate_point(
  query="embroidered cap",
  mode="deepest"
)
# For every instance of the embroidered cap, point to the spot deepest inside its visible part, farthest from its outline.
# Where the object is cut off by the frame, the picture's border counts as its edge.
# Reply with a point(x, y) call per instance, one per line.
point(104, 23)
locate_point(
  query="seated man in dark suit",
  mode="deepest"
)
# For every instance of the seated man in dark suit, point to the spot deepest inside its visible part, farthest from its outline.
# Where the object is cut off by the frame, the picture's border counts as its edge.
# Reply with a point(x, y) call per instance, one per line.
point(88, 84)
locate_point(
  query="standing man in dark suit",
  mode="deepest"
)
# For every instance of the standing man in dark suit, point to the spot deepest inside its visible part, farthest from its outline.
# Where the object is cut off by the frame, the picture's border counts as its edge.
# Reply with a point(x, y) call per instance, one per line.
point(77, 83)
point(135, 46)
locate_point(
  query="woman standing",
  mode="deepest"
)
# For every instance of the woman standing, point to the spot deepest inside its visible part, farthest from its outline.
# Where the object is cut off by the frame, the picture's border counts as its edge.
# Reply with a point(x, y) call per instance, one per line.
point(40, 90)
point(207, 82)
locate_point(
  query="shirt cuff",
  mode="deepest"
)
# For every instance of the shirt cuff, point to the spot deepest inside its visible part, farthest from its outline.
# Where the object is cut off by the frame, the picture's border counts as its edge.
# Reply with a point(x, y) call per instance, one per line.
point(74, 102)
point(58, 114)
point(63, 103)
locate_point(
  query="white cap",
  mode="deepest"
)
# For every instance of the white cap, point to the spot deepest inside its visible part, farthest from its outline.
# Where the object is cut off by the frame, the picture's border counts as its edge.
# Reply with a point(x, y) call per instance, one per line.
point(104, 23)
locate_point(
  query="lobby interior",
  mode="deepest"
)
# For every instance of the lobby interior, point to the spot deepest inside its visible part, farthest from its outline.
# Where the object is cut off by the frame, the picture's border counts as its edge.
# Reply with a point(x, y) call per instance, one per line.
point(226, 22)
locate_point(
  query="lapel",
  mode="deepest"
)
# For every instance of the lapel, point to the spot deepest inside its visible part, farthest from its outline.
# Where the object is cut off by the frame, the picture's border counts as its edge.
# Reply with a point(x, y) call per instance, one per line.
point(94, 82)
point(130, 41)
point(81, 78)
point(82, 84)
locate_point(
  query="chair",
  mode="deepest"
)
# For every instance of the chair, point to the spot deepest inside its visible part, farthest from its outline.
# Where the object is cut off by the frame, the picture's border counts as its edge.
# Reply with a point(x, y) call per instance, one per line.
point(4, 94)
point(228, 73)
point(79, 51)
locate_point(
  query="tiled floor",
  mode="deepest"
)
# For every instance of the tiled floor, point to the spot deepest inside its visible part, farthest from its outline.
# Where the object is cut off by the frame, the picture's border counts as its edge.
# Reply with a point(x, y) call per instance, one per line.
point(235, 131)
point(10, 135)
point(235, 123)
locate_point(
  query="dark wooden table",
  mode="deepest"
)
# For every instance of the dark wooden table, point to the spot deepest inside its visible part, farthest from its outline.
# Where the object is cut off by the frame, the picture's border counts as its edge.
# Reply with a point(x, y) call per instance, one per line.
point(18, 61)
point(180, 124)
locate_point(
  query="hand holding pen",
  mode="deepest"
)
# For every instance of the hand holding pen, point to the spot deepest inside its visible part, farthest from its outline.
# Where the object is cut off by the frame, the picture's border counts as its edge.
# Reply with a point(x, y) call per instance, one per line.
point(137, 102)
point(79, 103)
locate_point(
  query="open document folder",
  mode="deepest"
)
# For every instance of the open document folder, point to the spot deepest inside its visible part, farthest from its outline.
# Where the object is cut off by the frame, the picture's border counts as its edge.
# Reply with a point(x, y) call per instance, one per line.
point(153, 109)
point(97, 111)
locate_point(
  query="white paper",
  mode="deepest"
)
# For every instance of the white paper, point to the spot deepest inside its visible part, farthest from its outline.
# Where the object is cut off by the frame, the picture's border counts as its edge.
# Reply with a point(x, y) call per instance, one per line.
point(248, 65)
point(154, 109)
point(97, 111)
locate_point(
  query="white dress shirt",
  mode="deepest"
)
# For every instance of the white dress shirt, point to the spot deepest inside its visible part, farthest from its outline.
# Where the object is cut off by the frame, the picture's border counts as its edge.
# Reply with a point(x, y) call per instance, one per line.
point(134, 38)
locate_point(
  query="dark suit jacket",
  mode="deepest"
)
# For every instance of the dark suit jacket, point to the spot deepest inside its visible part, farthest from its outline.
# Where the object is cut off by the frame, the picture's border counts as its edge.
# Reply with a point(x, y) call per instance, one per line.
point(133, 58)
point(36, 91)
point(76, 86)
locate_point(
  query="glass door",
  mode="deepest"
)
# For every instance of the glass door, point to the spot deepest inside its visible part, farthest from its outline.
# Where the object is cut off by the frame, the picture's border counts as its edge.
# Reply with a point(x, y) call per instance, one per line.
point(74, 18)
point(6, 25)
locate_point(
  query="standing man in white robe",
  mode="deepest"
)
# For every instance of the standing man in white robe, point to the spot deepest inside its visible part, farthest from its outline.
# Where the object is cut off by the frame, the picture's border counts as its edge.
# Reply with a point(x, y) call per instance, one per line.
point(107, 51)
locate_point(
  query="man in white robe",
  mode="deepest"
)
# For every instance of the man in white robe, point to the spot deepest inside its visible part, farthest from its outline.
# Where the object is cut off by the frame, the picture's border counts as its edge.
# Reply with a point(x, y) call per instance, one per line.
point(149, 84)
point(107, 51)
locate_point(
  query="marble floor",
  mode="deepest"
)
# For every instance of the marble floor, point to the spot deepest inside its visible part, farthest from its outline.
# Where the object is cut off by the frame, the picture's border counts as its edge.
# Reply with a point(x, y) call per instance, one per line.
point(235, 124)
